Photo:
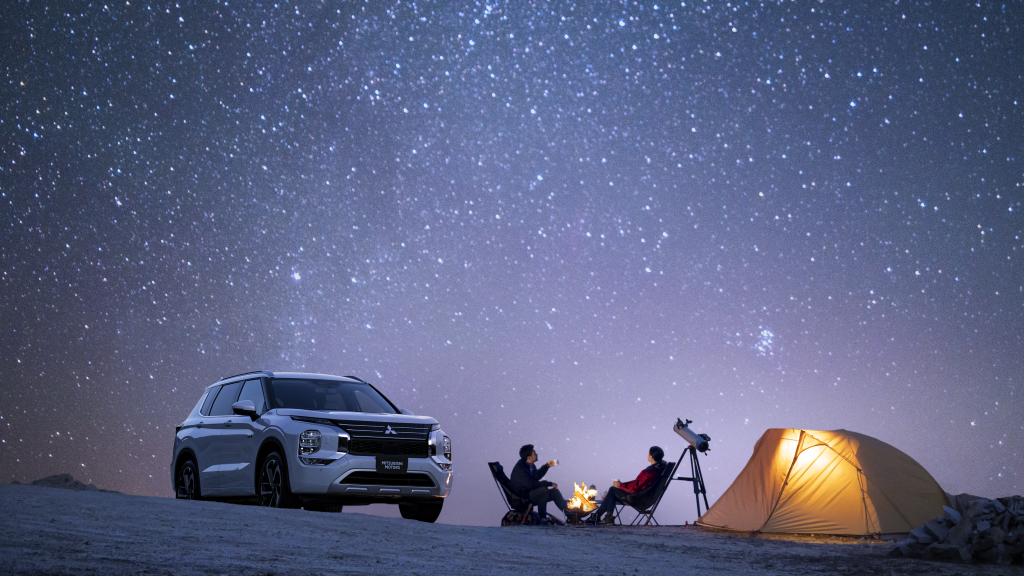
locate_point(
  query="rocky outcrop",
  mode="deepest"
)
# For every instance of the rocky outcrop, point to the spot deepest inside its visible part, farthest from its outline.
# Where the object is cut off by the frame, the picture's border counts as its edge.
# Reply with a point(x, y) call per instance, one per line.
point(64, 481)
point(981, 531)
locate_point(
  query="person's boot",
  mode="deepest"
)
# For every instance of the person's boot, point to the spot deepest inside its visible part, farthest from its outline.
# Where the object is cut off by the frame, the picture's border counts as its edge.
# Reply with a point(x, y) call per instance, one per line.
point(608, 519)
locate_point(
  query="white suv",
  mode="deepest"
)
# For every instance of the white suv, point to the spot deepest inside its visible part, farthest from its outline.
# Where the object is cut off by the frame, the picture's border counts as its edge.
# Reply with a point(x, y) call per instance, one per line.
point(320, 442)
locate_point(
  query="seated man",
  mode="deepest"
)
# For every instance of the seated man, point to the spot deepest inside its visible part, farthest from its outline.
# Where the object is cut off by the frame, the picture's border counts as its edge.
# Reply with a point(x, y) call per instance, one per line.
point(622, 492)
point(526, 482)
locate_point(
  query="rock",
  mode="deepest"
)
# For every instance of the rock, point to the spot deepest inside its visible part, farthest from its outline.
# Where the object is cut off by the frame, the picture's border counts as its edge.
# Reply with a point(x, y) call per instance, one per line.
point(921, 535)
point(996, 555)
point(63, 481)
point(989, 531)
point(951, 514)
point(936, 529)
point(963, 554)
point(901, 551)
point(961, 532)
point(975, 508)
point(940, 551)
point(984, 544)
point(960, 502)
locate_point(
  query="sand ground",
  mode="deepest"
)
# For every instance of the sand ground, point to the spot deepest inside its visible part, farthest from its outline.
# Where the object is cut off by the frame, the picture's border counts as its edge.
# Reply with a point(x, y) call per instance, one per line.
point(55, 531)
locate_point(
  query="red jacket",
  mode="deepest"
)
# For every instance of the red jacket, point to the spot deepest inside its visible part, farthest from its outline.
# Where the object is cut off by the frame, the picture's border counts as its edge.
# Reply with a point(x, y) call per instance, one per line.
point(646, 478)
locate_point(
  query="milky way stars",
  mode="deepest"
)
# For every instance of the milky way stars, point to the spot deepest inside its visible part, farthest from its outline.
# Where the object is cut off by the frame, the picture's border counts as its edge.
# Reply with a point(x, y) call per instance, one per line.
point(559, 223)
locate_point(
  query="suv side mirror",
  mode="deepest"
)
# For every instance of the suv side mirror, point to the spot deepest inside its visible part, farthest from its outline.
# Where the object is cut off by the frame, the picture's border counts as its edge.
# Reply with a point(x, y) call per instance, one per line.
point(245, 408)
point(406, 412)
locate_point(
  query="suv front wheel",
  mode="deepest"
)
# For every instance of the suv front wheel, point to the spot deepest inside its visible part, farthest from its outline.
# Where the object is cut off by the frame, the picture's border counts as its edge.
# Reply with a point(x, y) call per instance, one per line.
point(273, 490)
point(422, 512)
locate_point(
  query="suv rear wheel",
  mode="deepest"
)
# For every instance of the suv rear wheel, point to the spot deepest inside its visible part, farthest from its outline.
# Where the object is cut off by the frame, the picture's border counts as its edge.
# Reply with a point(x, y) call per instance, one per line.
point(187, 483)
point(273, 490)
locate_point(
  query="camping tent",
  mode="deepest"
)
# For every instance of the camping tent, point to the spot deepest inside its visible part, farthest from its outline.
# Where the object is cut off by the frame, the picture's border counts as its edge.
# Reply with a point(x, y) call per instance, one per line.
point(835, 482)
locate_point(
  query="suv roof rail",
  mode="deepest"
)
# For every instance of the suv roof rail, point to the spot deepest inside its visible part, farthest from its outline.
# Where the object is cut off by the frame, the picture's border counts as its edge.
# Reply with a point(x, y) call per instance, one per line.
point(357, 378)
point(267, 372)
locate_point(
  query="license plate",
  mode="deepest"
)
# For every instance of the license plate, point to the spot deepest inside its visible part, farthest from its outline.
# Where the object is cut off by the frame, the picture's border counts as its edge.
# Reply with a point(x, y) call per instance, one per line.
point(392, 465)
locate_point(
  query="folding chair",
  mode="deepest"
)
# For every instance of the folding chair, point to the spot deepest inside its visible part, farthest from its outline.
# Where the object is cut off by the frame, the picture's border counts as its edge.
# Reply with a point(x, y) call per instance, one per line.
point(646, 501)
point(520, 506)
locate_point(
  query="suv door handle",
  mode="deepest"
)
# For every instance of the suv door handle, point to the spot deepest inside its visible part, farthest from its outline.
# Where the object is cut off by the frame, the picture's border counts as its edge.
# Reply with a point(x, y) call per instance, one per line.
point(228, 424)
point(200, 425)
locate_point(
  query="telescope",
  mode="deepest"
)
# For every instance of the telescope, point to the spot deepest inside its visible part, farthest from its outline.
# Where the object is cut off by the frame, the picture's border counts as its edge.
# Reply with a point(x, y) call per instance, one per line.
point(698, 441)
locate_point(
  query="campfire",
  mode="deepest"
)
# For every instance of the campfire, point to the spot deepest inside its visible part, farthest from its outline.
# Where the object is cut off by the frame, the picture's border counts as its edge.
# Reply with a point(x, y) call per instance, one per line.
point(582, 498)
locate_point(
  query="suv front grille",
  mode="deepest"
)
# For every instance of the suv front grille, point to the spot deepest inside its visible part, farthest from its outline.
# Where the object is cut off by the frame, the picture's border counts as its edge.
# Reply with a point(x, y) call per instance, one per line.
point(375, 479)
point(375, 447)
point(392, 431)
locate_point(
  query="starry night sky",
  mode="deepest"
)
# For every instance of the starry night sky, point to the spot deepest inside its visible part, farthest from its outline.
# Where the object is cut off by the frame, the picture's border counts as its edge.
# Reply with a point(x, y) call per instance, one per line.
point(559, 223)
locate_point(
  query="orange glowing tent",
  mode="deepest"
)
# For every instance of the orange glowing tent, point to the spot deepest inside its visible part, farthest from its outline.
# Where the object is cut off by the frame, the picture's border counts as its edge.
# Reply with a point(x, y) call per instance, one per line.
point(827, 482)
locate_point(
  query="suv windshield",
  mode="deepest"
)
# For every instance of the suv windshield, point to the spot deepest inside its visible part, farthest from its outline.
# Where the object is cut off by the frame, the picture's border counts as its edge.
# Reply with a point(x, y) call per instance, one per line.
point(307, 394)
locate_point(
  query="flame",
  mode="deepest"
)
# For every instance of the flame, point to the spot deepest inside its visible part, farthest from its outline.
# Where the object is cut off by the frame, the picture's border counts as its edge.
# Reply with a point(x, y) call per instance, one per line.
point(581, 498)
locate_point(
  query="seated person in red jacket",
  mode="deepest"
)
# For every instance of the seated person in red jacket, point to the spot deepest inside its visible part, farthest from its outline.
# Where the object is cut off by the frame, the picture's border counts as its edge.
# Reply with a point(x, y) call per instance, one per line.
point(621, 492)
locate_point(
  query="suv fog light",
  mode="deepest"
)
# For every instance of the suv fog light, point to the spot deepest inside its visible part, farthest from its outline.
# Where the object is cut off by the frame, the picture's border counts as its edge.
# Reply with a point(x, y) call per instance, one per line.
point(447, 448)
point(315, 461)
point(445, 467)
point(309, 442)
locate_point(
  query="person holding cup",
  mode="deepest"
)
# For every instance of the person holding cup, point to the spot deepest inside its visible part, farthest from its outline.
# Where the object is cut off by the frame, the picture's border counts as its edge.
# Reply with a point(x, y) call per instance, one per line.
point(526, 483)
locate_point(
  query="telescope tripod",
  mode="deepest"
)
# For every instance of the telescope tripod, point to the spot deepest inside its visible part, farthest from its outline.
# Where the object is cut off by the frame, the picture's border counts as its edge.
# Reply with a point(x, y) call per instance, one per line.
point(697, 477)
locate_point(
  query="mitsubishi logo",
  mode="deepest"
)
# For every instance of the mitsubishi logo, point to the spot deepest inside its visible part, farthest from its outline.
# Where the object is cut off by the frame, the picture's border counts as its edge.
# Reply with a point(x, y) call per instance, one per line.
point(390, 431)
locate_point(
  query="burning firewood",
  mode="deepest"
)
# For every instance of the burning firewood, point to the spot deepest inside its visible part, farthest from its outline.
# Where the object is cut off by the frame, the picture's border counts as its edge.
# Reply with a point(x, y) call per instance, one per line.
point(581, 498)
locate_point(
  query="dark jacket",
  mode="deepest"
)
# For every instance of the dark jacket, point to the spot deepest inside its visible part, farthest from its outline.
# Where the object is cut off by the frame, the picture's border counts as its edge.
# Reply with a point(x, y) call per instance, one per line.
point(649, 476)
point(526, 477)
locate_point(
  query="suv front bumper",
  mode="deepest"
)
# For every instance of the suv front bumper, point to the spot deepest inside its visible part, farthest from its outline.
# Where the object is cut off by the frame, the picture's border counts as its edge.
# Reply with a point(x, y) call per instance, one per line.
point(356, 477)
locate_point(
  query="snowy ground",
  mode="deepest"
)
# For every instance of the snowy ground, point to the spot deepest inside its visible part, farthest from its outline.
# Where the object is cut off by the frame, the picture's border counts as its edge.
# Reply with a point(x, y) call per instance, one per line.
point(57, 531)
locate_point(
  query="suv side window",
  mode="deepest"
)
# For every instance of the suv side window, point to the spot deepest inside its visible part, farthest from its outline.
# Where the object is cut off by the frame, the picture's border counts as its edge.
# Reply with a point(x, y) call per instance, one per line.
point(209, 401)
point(222, 405)
point(253, 390)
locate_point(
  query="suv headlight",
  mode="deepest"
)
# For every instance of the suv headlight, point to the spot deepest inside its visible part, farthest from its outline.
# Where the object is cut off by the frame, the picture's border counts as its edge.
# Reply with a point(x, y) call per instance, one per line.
point(309, 442)
point(446, 447)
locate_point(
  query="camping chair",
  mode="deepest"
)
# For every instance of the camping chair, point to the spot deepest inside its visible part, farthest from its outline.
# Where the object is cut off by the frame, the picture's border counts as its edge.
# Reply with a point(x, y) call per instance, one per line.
point(646, 501)
point(521, 508)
